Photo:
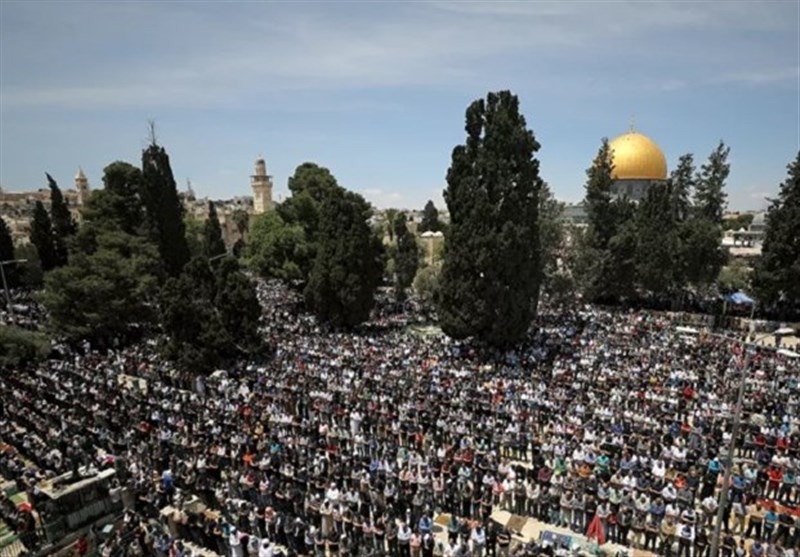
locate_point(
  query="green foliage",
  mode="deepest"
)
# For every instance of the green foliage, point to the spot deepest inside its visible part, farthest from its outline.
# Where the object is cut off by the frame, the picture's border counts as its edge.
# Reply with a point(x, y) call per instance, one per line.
point(603, 222)
point(406, 256)
point(430, 219)
point(63, 224)
point(682, 182)
point(609, 247)
point(657, 242)
point(7, 254)
point(105, 294)
point(348, 266)
point(209, 316)
point(552, 236)
point(242, 221)
point(777, 272)
point(735, 276)
point(19, 347)
point(163, 209)
point(276, 249)
point(213, 244)
point(41, 236)
point(118, 204)
point(30, 273)
point(194, 235)
point(490, 278)
point(738, 222)
point(426, 283)
point(238, 305)
point(390, 215)
point(709, 196)
point(701, 252)
point(314, 180)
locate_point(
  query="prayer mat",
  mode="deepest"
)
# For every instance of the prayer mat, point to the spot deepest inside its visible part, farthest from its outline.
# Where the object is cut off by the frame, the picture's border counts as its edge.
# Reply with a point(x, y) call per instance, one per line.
point(516, 523)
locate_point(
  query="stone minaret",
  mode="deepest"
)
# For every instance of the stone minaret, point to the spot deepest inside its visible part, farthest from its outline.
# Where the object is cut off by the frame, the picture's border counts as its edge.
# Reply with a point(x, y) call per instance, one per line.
point(82, 187)
point(262, 188)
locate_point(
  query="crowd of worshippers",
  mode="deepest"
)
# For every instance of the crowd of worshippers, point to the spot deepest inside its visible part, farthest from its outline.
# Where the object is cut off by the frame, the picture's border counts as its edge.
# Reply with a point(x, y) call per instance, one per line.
point(353, 443)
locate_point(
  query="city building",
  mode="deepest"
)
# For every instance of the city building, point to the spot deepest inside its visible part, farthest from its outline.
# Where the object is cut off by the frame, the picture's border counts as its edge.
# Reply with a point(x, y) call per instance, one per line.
point(16, 208)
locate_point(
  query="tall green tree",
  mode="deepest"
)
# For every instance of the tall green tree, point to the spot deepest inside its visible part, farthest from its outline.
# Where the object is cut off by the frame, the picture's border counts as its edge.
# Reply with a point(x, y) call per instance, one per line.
point(317, 181)
point(348, 265)
point(406, 256)
point(776, 276)
point(238, 305)
point(701, 252)
point(709, 195)
point(213, 244)
point(41, 236)
point(552, 236)
point(7, 254)
point(657, 246)
point(63, 224)
point(430, 219)
point(163, 209)
point(609, 248)
point(489, 284)
point(682, 181)
point(603, 221)
point(210, 316)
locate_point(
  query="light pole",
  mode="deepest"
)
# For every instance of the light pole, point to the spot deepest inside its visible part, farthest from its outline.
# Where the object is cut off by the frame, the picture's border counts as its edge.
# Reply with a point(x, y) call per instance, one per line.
point(737, 418)
point(5, 284)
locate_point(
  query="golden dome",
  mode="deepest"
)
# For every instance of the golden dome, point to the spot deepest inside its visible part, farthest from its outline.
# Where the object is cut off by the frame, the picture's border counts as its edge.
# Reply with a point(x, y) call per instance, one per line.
point(637, 157)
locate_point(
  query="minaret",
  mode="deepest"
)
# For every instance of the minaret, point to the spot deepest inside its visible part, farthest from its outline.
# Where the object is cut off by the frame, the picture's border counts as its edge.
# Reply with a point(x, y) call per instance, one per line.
point(262, 188)
point(82, 187)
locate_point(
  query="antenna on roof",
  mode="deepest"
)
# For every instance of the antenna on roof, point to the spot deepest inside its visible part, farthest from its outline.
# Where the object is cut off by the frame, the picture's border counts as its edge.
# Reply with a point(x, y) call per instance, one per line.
point(633, 123)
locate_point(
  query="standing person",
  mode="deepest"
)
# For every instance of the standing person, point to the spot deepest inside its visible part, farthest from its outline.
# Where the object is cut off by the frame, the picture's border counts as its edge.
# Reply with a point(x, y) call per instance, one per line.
point(428, 544)
point(728, 545)
point(404, 540)
point(503, 542)
point(478, 539)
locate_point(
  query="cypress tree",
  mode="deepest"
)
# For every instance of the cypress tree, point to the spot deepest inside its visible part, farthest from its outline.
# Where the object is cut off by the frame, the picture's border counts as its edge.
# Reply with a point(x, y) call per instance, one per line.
point(213, 243)
point(430, 219)
point(656, 241)
point(41, 237)
point(348, 266)
point(682, 183)
point(709, 196)
point(163, 209)
point(599, 202)
point(490, 278)
point(63, 224)
point(776, 277)
point(7, 254)
point(406, 256)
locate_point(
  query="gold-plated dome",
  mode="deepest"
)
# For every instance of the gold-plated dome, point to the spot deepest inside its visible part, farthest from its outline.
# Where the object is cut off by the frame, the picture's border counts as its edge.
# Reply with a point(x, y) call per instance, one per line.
point(637, 157)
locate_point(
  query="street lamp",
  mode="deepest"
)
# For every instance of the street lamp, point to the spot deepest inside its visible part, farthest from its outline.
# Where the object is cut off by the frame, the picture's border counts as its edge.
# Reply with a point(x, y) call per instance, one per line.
point(5, 284)
point(737, 418)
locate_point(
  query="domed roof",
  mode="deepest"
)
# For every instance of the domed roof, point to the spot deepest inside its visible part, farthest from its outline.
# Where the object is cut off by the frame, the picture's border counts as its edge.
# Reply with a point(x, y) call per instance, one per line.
point(637, 157)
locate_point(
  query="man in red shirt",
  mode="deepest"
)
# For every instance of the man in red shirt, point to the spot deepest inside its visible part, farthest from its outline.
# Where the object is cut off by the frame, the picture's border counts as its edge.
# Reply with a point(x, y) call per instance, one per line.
point(774, 478)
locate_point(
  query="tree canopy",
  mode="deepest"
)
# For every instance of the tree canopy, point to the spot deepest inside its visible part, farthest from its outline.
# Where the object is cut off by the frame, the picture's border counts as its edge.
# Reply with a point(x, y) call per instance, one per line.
point(776, 275)
point(406, 256)
point(348, 264)
point(489, 283)
point(163, 209)
point(430, 219)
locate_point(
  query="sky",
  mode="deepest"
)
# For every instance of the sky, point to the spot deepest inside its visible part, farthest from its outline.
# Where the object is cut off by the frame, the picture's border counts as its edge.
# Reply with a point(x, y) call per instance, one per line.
point(376, 91)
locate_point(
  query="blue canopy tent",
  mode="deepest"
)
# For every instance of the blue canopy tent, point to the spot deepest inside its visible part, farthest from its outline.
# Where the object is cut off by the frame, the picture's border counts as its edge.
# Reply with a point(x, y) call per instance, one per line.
point(740, 298)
